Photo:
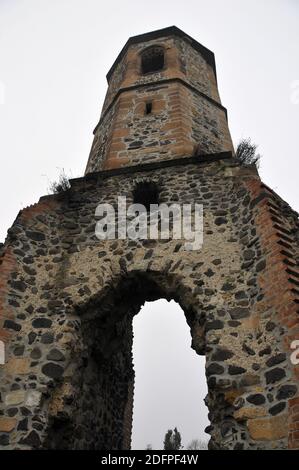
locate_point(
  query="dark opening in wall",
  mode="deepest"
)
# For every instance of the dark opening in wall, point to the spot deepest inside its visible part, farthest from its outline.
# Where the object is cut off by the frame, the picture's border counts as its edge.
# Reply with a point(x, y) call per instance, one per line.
point(152, 59)
point(148, 107)
point(146, 193)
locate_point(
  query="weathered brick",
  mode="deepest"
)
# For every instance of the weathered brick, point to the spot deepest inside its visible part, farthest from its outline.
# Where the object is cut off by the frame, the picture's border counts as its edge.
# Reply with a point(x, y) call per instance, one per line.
point(7, 424)
point(268, 429)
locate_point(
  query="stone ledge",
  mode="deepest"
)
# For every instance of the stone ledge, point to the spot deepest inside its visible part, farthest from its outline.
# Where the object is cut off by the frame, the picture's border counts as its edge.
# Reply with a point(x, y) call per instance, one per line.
point(194, 160)
point(226, 157)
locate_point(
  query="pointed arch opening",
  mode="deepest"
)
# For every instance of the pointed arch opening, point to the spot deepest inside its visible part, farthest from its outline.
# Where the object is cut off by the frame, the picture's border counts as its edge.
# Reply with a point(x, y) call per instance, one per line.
point(101, 416)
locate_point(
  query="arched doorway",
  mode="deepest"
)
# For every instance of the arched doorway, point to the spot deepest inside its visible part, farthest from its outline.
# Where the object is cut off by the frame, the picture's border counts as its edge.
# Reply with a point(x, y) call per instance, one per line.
point(170, 381)
point(100, 416)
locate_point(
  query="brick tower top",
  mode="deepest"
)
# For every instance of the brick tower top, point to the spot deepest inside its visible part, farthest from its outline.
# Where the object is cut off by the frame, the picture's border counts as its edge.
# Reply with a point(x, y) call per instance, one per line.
point(162, 103)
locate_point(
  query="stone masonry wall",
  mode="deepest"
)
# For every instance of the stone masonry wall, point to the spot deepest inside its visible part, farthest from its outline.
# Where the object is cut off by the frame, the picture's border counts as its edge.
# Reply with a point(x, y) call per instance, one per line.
point(181, 61)
point(187, 115)
point(67, 303)
point(179, 120)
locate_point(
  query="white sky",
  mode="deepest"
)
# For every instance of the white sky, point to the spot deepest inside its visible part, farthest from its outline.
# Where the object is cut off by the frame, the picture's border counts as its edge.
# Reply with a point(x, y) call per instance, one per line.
point(54, 55)
point(170, 383)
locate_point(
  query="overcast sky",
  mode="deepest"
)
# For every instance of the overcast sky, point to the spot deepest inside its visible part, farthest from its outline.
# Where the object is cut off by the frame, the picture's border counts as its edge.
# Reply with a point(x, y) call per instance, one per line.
point(54, 55)
point(170, 377)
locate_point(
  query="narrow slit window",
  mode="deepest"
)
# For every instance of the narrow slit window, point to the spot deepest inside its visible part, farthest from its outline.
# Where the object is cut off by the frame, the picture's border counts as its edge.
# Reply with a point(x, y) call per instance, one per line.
point(148, 107)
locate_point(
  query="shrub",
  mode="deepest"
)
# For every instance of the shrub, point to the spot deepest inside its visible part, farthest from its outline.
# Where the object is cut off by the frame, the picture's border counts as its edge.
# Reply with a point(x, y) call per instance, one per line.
point(61, 185)
point(246, 153)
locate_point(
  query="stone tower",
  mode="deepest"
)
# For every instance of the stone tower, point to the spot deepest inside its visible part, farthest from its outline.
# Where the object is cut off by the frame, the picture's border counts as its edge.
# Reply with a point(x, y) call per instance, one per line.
point(67, 299)
point(162, 103)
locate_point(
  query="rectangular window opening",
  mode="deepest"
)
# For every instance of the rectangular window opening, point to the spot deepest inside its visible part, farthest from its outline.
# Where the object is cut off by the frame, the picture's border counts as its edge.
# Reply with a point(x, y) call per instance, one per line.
point(148, 107)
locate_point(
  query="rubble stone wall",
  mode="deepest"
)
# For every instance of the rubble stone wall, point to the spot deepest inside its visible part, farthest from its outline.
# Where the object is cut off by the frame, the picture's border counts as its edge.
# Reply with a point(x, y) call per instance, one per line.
point(67, 302)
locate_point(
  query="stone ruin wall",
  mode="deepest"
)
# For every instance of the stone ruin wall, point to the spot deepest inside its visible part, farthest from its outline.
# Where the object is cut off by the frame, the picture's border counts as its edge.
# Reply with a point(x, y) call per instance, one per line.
point(66, 316)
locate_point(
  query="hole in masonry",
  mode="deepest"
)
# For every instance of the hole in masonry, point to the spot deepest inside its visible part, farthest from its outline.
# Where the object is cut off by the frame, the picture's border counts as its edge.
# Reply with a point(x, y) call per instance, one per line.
point(148, 107)
point(146, 193)
point(152, 59)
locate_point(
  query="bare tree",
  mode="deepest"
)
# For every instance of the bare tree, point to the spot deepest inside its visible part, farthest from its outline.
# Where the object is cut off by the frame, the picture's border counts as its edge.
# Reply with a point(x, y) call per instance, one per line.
point(246, 153)
point(197, 444)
